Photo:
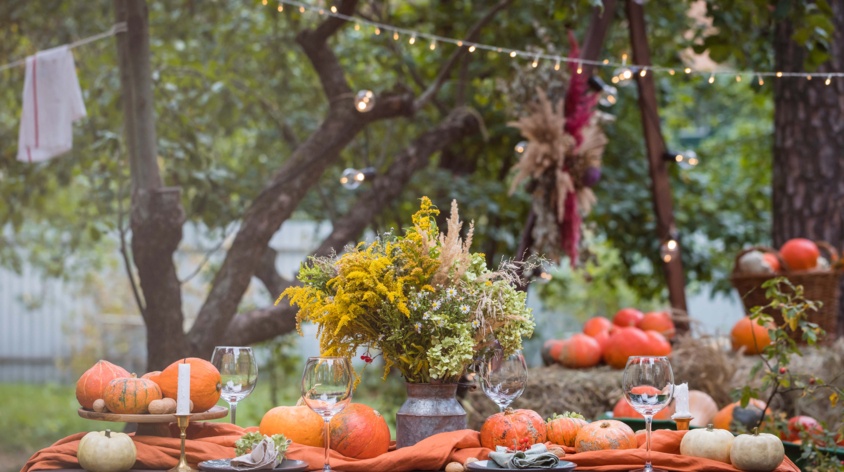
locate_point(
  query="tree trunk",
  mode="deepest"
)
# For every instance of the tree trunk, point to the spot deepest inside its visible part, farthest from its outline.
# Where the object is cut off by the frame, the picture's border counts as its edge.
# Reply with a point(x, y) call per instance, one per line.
point(808, 170)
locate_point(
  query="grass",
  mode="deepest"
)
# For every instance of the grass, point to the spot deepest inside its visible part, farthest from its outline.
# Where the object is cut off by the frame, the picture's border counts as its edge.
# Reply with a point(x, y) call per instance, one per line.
point(33, 417)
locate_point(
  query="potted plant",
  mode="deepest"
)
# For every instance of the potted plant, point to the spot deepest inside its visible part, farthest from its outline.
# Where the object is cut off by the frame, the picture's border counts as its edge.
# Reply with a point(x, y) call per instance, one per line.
point(421, 301)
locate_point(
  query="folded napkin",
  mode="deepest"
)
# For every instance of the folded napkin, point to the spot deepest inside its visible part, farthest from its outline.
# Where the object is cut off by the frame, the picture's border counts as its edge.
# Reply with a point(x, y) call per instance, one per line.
point(263, 456)
point(535, 457)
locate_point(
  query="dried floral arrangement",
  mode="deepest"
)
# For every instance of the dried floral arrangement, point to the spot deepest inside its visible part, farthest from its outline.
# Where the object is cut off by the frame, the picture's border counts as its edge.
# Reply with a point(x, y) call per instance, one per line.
point(422, 301)
point(561, 163)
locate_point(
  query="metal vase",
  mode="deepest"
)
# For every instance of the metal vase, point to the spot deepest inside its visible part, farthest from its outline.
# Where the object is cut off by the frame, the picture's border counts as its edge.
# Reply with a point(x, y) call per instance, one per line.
point(428, 410)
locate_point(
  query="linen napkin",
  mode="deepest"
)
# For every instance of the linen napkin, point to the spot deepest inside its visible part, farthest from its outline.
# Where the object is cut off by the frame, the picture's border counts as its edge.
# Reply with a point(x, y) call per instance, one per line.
point(263, 456)
point(536, 457)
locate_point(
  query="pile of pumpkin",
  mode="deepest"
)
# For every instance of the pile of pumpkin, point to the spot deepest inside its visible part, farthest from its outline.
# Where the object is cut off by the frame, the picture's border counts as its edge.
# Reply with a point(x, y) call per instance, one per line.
point(798, 254)
point(109, 388)
point(629, 333)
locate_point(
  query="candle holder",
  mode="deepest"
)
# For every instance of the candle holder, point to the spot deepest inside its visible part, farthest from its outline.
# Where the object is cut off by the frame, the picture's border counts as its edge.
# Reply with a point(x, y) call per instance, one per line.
point(683, 422)
point(182, 421)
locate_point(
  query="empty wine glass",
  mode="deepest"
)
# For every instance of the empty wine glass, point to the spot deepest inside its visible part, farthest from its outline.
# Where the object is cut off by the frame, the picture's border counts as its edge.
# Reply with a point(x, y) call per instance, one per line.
point(503, 378)
point(327, 389)
point(238, 372)
point(648, 385)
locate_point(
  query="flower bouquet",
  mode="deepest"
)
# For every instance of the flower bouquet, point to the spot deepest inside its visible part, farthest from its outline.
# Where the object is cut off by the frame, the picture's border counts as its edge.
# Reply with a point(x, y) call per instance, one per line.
point(420, 300)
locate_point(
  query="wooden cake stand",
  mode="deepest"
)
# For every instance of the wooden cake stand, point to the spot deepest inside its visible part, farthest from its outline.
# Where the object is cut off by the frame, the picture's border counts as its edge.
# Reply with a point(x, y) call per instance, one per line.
point(153, 425)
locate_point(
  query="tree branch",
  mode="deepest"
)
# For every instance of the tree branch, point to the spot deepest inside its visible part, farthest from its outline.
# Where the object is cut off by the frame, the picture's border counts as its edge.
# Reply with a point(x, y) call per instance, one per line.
point(444, 73)
point(269, 276)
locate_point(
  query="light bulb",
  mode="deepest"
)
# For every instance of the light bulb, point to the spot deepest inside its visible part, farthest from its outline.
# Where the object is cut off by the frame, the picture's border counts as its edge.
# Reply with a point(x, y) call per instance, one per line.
point(521, 147)
point(412, 39)
point(687, 159)
point(433, 45)
point(669, 250)
point(622, 76)
point(349, 178)
point(609, 96)
point(364, 101)
point(472, 48)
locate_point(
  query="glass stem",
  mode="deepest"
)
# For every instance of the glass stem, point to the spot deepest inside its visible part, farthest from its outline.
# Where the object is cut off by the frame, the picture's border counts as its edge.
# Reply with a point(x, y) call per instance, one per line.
point(234, 411)
point(648, 420)
point(327, 468)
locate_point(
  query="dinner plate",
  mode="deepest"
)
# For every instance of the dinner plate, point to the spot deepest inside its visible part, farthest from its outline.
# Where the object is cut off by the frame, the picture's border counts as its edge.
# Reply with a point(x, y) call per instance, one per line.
point(224, 465)
point(491, 465)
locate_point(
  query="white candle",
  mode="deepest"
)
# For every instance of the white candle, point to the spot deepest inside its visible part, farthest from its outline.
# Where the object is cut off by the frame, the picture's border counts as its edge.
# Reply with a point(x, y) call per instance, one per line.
point(183, 392)
point(681, 408)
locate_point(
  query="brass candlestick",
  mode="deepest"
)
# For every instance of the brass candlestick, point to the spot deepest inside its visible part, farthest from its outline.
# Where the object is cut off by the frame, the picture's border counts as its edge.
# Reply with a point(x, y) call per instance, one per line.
point(182, 421)
point(683, 422)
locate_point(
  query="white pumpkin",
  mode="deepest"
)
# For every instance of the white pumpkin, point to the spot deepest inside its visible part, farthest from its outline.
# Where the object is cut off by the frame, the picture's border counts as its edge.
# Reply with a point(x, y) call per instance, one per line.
point(708, 443)
point(702, 407)
point(757, 452)
point(106, 451)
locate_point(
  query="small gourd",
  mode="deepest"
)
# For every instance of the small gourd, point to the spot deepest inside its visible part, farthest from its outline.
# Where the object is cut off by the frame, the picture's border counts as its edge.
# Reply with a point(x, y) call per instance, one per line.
point(100, 406)
point(708, 443)
point(106, 451)
point(454, 467)
point(163, 406)
point(757, 452)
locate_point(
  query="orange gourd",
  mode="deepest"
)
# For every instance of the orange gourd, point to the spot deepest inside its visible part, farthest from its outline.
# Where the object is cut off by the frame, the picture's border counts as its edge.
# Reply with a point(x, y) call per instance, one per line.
point(734, 414)
point(130, 395)
point(300, 424)
point(597, 324)
point(580, 351)
point(92, 383)
point(551, 350)
point(623, 343)
point(749, 335)
point(152, 375)
point(659, 321)
point(205, 382)
point(510, 427)
point(659, 345)
point(605, 434)
point(359, 431)
point(800, 254)
point(563, 429)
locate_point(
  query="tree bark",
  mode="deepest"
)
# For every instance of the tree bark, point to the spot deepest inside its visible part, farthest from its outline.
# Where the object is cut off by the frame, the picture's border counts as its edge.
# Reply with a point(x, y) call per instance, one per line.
point(808, 170)
point(157, 214)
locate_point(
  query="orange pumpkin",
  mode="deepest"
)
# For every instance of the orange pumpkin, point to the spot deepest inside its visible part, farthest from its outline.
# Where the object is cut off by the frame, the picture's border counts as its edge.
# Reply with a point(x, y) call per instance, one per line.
point(627, 317)
point(625, 342)
point(92, 383)
point(152, 375)
point(622, 409)
point(800, 254)
point(510, 427)
point(603, 339)
point(580, 351)
point(551, 350)
point(605, 434)
point(359, 431)
point(702, 407)
point(130, 395)
point(596, 325)
point(659, 321)
point(749, 335)
point(734, 414)
point(205, 382)
point(300, 424)
point(659, 345)
point(563, 429)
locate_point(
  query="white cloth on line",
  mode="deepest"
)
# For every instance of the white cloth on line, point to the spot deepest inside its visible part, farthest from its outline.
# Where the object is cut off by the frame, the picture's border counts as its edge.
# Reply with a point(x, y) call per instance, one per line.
point(52, 101)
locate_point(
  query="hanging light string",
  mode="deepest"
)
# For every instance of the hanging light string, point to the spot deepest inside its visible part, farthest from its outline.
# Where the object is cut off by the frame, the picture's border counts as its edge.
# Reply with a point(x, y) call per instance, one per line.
point(432, 40)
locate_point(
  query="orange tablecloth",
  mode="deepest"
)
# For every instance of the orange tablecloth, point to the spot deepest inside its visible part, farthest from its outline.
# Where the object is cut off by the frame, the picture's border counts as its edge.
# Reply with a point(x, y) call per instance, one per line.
point(216, 441)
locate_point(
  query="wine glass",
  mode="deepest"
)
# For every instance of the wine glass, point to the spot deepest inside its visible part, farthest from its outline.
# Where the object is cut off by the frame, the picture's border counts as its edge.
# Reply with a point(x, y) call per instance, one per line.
point(648, 385)
point(327, 389)
point(503, 378)
point(238, 372)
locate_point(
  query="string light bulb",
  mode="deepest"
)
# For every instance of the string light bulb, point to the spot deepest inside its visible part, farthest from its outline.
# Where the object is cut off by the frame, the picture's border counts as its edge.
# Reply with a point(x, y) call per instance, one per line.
point(460, 44)
point(357, 26)
point(579, 67)
point(433, 45)
point(685, 159)
point(412, 39)
point(687, 70)
point(609, 96)
point(761, 81)
point(351, 178)
point(280, 8)
point(643, 72)
point(779, 74)
point(669, 250)
point(512, 53)
point(263, 2)
point(809, 77)
point(521, 147)
point(557, 66)
point(670, 71)
point(301, 9)
point(828, 80)
point(377, 31)
point(395, 35)
point(472, 48)
point(738, 77)
point(712, 78)
point(364, 101)
point(622, 75)
point(535, 62)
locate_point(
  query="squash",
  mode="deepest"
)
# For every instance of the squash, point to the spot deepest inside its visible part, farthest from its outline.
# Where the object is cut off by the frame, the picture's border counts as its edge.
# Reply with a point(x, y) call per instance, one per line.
point(205, 382)
point(659, 321)
point(605, 434)
point(735, 414)
point(510, 427)
point(550, 351)
point(563, 429)
point(623, 343)
point(359, 431)
point(800, 254)
point(708, 443)
point(579, 351)
point(702, 407)
point(622, 409)
point(627, 317)
point(130, 395)
point(152, 375)
point(659, 345)
point(749, 335)
point(300, 424)
point(93, 382)
point(105, 451)
point(597, 324)
point(757, 452)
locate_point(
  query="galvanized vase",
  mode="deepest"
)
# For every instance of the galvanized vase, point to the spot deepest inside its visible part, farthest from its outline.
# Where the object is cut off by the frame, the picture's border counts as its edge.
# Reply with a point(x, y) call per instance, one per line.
point(428, 410)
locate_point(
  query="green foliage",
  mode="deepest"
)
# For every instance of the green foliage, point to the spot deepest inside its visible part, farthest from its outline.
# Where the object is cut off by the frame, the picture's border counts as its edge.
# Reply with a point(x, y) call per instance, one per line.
point(249, 440)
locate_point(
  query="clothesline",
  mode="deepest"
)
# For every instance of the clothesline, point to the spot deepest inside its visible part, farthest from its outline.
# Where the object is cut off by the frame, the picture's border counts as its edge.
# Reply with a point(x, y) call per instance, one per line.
point(116, 28)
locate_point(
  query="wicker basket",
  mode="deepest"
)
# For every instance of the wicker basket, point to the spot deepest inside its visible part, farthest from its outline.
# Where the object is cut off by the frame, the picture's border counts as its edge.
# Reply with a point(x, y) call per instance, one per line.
point(818, 285)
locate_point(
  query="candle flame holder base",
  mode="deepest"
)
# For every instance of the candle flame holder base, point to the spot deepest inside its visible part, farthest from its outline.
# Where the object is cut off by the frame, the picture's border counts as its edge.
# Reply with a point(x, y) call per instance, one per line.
point(683, 422)
point(182, 421)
